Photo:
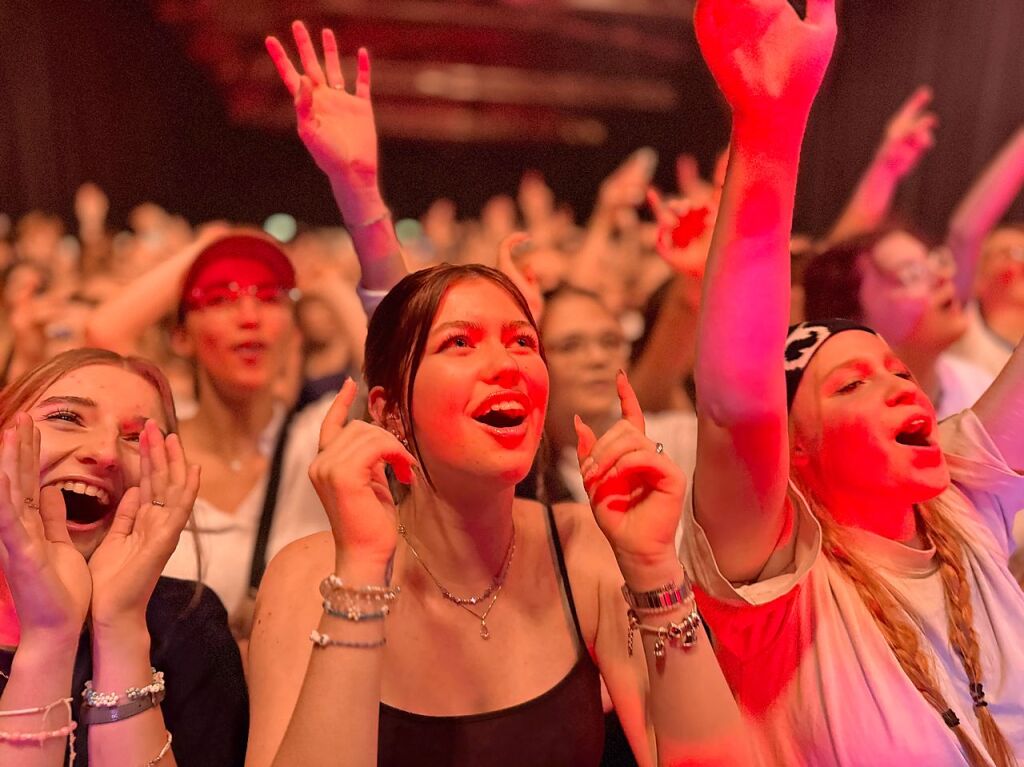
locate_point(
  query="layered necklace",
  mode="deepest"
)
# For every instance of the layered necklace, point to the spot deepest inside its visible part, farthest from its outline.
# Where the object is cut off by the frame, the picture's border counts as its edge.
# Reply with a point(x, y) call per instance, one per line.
point(469, 603)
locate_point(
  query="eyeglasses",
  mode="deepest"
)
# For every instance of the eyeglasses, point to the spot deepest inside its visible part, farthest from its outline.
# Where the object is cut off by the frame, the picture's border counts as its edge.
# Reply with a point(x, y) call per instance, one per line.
point(914, 274)
point(574, 346)
point(229, 295)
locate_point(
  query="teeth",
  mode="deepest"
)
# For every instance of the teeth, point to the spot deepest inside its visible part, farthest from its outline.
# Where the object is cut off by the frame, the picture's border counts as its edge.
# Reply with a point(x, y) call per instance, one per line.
point(81, 488)
point(505, 407)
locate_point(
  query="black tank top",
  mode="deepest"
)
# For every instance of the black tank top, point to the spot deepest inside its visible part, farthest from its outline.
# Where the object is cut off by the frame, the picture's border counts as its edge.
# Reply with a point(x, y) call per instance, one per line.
point(563, 727)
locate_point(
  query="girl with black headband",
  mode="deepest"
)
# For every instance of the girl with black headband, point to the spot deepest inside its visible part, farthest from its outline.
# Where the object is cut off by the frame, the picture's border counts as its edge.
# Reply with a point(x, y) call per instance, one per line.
point(850, 554)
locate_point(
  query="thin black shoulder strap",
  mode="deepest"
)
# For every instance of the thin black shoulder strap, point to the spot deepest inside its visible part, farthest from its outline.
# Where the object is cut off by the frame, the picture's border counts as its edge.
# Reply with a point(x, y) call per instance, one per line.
point(259, 552)
point(566, 586)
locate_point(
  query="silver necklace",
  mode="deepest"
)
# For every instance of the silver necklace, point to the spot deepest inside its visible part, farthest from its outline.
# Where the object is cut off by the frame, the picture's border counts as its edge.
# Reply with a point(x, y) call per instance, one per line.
point(492, 591)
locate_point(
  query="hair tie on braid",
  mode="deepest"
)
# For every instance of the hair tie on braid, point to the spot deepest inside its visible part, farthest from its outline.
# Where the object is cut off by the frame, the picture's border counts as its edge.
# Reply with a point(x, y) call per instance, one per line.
point(949, 717)
point(978, 695)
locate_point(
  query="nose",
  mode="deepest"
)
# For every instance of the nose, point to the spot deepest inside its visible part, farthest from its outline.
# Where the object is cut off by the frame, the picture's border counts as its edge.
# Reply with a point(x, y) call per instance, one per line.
point(901, 391)
point(502, 367)
point(248, 312)
point(100, 450)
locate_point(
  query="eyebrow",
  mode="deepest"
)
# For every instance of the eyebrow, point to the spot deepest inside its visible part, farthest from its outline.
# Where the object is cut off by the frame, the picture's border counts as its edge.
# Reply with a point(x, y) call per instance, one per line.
point(466, 325)
point(68, 399)
point(857, 362)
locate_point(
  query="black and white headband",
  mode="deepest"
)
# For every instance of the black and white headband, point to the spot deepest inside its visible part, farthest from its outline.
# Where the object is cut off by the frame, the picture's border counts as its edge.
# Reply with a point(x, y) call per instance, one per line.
point(803, 342)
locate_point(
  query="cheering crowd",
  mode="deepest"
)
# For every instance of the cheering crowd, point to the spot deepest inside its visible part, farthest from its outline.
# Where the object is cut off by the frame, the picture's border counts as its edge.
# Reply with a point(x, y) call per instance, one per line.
point(684, 488)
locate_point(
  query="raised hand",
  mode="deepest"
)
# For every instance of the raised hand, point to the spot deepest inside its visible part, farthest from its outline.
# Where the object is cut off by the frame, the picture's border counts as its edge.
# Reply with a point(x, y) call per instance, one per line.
point(348, 474)
point(684, 233)
point(524, 278)
point(909, 134)
point(145, 531)
point(635, 491)
point(46, 574)
point(764, 57)
point(337, 127)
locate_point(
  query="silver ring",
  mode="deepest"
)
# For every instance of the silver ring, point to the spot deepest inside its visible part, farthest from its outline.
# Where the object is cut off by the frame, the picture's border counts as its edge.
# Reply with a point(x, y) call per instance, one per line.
point(659, 448)
point(338, 87)
point(161, 504)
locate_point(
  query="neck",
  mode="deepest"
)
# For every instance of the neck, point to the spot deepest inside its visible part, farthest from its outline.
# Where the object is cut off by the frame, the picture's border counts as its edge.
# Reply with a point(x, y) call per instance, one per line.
point(897, 522)
point(234, 419)
point(921, 362)
point(1005, 319)
point(461, 533)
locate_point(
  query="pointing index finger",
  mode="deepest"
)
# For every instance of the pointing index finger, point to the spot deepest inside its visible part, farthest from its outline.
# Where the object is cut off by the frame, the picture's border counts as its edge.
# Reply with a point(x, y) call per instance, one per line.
point(338, 413)
point(631, 410)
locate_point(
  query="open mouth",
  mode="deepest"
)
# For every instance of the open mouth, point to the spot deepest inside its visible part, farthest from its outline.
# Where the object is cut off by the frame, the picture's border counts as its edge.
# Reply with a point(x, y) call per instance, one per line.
point(502, 412)
point(915, 433)
point(85, 504)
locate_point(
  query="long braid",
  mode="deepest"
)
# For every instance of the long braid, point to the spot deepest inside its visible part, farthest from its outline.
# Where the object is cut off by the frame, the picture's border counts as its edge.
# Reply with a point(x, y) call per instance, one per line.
point(960, 612)
point(900, 633)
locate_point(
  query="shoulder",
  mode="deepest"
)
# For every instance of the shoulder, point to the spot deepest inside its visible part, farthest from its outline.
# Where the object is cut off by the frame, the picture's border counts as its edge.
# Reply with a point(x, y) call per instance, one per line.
point(301, 562)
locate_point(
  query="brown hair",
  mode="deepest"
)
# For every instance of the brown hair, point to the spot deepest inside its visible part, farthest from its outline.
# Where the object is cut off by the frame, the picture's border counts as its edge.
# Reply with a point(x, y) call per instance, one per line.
point(398, 330)
point(896, 622)
point(23, 392)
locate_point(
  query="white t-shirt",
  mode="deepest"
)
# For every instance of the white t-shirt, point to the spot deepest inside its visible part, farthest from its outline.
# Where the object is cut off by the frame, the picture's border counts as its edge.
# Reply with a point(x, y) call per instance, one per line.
point(812, 672)
point(226, 539)
point(961, 383)
point(675, 429)
point(979, 345)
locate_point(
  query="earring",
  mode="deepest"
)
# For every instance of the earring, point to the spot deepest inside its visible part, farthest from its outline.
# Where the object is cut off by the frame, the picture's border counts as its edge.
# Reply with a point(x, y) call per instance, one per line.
point(400, 438)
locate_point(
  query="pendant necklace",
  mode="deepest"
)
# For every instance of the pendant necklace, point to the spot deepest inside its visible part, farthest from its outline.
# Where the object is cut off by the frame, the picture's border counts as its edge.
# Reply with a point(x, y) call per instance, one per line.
point(468, 603)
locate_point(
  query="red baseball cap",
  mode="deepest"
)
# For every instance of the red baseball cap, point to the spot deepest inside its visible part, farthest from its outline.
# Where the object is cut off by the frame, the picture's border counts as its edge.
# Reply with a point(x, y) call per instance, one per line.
point(244, 256)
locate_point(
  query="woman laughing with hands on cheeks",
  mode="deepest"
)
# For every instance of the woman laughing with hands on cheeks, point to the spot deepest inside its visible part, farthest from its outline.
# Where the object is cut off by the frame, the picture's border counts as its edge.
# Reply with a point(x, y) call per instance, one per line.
point(94, 493)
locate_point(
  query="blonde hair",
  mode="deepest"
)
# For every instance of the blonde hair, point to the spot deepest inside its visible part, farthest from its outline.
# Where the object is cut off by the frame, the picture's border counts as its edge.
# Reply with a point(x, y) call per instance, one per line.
point(898, 627)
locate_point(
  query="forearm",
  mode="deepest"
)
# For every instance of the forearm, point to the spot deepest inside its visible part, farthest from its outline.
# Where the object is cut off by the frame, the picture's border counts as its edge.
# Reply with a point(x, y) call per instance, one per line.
point(339, 704)
point(40, 676)
point(868, 206)
point(981, 208)
point(369, 223)
point(695, 718)
point(1001, 409)
point(658, 374)
point(118, 323)
point(121, 660)
point(745, 305)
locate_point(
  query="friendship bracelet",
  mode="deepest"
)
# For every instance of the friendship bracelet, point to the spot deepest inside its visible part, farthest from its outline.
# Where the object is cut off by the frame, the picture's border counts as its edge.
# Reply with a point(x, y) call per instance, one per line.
point(95, 699)
point(67, 731)
point(322, 640)
point(370, 222)
point(163, 752)
point(661, 600)
point(105, 715)
point(352, 612)
point(683, 634)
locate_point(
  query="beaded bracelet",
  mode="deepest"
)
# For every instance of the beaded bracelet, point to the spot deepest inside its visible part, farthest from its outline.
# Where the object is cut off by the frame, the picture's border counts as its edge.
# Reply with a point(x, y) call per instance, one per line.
point(682, 634)
point(347, 600)
point(322, 640)
point(662, 600)
point(353, 612)
point(94, 699)
point(163, 752)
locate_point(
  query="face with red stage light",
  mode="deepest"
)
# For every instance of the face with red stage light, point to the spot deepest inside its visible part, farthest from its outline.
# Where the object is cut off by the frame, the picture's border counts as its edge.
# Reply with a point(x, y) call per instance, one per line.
point(480, 391)
point(90, 421)
point(237, 321)
point(861, 427)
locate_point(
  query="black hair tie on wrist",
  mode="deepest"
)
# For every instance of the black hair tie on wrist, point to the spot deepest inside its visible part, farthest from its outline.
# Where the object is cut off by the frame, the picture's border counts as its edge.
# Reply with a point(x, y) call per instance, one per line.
point(978, 695)
point(949, 717)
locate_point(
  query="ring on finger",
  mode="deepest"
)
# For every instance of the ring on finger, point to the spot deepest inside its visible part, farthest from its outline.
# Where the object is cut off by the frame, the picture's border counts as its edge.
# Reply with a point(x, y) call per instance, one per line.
point(161, 504)
point(338, 87)
point(659, 448)
point(32, 503)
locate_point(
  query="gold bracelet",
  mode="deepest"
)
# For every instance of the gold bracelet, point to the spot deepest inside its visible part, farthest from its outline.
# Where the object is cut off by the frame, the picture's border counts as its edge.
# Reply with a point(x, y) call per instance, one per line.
point(683, 634)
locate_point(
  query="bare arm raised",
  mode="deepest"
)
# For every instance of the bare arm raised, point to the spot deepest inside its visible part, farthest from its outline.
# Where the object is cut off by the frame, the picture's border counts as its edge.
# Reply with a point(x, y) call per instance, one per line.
point(340, 134)
point(769, 64)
